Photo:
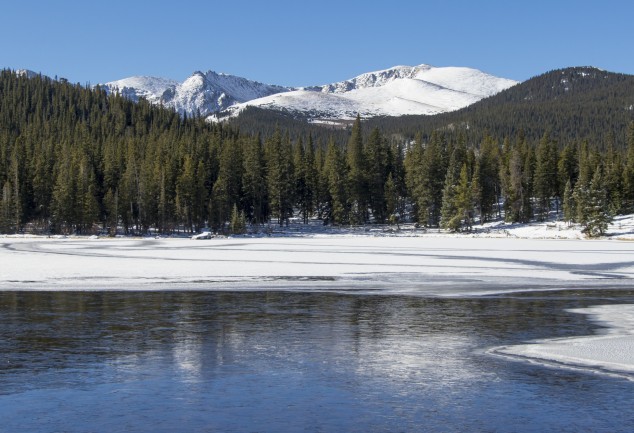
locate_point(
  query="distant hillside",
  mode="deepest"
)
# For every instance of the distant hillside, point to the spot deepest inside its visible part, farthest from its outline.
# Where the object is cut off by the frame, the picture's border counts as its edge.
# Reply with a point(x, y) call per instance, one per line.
point(573, 104)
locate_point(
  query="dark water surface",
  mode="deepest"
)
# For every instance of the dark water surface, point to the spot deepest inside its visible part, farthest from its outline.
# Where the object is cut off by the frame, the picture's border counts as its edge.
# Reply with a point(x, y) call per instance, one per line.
point(278, 362)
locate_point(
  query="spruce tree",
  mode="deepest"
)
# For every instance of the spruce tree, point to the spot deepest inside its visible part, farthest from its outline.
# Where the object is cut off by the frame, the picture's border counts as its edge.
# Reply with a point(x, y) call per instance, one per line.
point(254, 182)
point(7, 209)
point(238, 224)
point(357, 181)
point(544, 176)
point(377, 157)
point(596, 216)
point(569, 206)
point(414, 179)
point(185, 188)
point(280, 177)
point(335, 176)
point(628, 172)
point(429, 180)
point(392, 200)
point(488, 181)
point(464, 198)
point(449, 210)
point(567, 167)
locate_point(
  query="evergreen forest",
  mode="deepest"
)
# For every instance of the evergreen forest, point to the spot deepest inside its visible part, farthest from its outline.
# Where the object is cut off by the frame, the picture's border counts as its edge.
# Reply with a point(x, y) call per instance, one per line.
point(75, 160)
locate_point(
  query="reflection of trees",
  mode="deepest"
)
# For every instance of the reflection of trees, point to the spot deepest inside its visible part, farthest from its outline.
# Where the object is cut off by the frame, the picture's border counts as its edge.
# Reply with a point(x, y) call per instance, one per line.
point(204, 330)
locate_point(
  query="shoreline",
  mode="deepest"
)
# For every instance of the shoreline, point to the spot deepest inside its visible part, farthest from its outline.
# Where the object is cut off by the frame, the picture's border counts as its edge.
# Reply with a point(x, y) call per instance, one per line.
point(451, 266)
point(609, 352)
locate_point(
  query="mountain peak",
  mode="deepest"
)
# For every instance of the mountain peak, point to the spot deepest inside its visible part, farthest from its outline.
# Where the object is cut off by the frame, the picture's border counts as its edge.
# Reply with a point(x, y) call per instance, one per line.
point(399, 90)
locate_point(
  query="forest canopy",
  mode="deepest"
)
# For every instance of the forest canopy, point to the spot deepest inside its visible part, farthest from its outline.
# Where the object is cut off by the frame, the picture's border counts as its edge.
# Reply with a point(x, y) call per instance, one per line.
point(74, 159)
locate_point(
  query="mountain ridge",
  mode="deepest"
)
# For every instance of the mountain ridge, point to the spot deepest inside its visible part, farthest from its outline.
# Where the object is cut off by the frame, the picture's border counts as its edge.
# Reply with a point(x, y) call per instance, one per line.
point(399, 90)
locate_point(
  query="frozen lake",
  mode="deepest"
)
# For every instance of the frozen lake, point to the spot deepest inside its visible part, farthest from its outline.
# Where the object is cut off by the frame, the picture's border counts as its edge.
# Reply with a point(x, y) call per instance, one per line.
point(286, 361)
point(321, 333)
point(442, 266)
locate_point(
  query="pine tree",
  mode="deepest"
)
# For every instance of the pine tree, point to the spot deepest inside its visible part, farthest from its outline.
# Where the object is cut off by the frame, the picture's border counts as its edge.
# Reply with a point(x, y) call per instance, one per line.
point(392, 201)
point(414, 179)
point(200, 198)
point(254, 182)
point(311, 181)
point(65, 201)
point(613, 178)
point(428, 179)
point(568, 167)
point(544, 177)
point(238, 221)
point(226, 190)
point(377, 157)
point(185, 187)
point(304, 164)
point(88, 209)
point(594, 215)
point(129, 191)
point(356, 181)
point(449, 218)
point(449, 209)
point(628, 172)
point(335, 175)
point(15, 198)
point(570, 208)
point(8, 209)
point(458, 202)
point(280, 177)
point(464, 198)
point(477, 192)
point(527, 179)
point(488, 183)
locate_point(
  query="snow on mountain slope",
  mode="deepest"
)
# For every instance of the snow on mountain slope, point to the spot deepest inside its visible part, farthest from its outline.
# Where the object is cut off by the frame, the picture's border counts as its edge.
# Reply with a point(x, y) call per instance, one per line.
point(203, 93)
point(396, 91)
point(150, 88)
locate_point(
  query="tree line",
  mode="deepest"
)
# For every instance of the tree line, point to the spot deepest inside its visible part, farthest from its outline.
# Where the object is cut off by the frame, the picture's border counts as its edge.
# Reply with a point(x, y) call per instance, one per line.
point(77, 160)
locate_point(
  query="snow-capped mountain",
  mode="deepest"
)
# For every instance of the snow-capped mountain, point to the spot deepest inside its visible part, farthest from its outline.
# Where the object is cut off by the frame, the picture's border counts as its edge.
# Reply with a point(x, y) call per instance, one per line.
point(203, 93)
point(396, 91)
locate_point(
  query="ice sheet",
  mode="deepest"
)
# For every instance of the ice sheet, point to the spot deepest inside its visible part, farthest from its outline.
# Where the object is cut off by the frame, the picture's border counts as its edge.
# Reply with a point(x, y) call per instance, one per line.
point(414, 265)
point(611, 351)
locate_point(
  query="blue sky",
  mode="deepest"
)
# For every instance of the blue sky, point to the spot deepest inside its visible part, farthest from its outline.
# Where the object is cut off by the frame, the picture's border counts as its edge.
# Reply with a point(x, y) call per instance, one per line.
point(308, 43)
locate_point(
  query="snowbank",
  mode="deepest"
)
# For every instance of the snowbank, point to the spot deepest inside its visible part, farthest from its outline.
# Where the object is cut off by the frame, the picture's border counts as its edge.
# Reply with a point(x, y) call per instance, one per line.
point(611, 351)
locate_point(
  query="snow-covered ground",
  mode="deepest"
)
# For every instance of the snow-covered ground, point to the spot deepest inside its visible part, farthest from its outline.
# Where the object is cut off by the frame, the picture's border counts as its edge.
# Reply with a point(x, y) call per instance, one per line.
point(496, 258)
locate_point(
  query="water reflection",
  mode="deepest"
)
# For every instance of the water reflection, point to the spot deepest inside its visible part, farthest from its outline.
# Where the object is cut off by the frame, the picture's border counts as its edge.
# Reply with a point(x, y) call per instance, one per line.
point(197, 361)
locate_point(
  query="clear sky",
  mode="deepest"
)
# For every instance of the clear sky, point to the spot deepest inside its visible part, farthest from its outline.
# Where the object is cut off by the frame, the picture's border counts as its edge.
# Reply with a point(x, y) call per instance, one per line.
point(299, 43)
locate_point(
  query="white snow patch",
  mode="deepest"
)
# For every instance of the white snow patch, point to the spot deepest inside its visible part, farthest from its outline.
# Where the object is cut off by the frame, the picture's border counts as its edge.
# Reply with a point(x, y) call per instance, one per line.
point(396, 91)
point(610, 351)
point(401, 90)
point(495, 258)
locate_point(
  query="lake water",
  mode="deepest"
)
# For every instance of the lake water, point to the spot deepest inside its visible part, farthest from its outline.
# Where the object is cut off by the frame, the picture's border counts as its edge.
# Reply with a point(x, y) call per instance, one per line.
point(289, 362)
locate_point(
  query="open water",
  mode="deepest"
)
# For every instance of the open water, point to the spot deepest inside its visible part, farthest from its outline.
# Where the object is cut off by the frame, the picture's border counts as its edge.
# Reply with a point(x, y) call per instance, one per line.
point(296, 362)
